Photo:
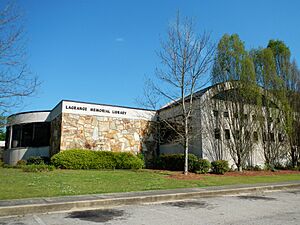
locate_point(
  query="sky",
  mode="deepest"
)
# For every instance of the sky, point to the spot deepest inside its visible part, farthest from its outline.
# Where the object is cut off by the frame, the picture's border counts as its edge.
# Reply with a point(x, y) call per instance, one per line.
point(100, 51)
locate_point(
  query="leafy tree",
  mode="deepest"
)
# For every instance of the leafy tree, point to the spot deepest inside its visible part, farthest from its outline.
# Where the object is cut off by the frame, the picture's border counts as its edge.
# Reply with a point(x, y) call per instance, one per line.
point(282, 56)
point(234, 65)
point(294, 101)
point(272, 116)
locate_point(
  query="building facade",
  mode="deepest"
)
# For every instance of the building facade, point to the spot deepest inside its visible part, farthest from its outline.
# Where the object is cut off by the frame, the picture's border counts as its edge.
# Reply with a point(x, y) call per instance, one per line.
point(217, 130)
point(222, 126)
point(80, 125)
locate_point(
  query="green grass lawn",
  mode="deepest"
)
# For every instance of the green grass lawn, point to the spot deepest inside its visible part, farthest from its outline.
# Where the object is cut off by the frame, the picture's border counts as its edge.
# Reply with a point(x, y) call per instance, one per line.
point(16, 184)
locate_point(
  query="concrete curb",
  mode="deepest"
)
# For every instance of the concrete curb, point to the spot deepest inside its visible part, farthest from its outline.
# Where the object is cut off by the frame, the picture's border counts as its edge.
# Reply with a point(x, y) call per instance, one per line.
point(57, 204)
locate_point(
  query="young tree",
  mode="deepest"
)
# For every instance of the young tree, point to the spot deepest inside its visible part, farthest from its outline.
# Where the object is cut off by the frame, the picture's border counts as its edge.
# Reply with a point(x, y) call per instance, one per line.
point(185, 58)
point(16, 81)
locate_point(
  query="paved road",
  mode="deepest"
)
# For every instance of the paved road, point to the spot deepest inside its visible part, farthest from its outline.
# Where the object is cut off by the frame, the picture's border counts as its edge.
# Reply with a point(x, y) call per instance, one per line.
point(274, 208)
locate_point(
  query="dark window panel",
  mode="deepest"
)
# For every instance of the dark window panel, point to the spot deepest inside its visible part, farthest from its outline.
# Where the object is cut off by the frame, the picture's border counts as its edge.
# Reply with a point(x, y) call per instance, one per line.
point(216, 113)
point(226, 114)
point(217, 133)
point(16, 136)
point(255, 136)
point(227, 134)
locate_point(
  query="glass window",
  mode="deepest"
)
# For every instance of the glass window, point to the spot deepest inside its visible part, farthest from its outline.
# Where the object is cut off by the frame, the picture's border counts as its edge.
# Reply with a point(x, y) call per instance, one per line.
point(217, 133)
point(255, 136)
point(247, 135)
point(216, 113)
point(31, 135)
point(272, 137)
point(16, 136)
point(7, 137)
point(41, 134)
point(27, 135)
point(237, 135)
point(264, 137)
point(226, 114)
point(227, 134)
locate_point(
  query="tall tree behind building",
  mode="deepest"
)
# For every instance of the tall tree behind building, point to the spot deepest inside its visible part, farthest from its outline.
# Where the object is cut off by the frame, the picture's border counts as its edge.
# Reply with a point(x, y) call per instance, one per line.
point(233, 64)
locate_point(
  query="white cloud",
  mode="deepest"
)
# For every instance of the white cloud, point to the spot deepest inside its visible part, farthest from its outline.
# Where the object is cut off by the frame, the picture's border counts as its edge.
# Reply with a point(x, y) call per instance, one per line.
point(119, 39)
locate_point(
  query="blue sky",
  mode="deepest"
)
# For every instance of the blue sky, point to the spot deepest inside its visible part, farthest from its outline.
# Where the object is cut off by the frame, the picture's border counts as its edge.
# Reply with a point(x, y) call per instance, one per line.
point(100, 51)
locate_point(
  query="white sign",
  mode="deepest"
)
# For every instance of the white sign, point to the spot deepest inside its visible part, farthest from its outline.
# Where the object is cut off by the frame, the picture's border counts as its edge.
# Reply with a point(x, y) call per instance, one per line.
point(106, 111)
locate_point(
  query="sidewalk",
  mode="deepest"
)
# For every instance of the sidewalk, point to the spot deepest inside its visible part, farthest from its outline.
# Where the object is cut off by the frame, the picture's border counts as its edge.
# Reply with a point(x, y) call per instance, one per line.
point(84, 202)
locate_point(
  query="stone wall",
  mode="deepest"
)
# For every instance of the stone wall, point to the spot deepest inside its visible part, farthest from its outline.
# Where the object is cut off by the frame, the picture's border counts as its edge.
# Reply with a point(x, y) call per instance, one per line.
point(107, 133)
point(55, 138)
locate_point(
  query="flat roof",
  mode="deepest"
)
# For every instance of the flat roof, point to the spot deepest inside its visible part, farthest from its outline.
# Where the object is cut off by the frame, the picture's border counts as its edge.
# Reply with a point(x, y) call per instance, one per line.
point(92, 103)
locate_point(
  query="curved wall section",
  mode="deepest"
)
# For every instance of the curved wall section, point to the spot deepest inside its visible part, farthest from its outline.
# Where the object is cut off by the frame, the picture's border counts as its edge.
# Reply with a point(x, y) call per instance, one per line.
point(29, 117)
point(27, 134)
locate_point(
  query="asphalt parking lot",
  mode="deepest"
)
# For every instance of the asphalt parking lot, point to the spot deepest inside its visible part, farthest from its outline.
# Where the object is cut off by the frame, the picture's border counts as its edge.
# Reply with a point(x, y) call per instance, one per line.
point(276, 207)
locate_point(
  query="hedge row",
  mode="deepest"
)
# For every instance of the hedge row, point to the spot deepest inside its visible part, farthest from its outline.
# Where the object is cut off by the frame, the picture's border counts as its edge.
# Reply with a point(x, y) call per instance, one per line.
point(175, 162)
point(88, 159)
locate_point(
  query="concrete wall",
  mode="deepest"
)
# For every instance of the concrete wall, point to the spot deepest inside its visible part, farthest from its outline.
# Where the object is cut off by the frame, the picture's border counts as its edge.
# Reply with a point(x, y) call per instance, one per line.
point(12, 156)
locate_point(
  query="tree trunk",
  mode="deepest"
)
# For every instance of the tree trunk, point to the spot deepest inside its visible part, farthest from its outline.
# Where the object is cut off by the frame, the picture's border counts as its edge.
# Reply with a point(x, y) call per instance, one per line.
point(186, 148)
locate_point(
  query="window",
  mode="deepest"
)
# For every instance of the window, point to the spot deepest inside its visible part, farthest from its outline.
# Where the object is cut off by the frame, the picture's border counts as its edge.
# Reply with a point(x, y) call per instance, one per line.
point(216, 113)
point(227, 134)
point(31, 135)
point(7, 137)
point(226, 114)
point(245, 116)
point(16, 136)
point(27, 135)
point(247, 135)
point(264, 137)
point(255, 136)
point(254, 118)
point(270, 120)
point(272, 137)
point(217, 133)
point(237, 135)
point(280, 137)
point(41, 134)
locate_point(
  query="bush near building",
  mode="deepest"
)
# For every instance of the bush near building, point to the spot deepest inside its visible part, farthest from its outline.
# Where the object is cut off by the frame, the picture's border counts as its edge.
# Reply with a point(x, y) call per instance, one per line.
point(220, 166)
point(202, 166)
point(175, 162)
point(88, 159)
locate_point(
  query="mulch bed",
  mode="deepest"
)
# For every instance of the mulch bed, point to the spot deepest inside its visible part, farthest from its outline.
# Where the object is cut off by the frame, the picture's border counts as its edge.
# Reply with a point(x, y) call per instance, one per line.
point(193, 176)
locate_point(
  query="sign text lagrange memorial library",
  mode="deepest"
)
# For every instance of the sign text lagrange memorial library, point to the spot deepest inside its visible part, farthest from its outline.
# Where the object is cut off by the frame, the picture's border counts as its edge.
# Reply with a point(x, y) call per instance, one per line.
point(95, 109)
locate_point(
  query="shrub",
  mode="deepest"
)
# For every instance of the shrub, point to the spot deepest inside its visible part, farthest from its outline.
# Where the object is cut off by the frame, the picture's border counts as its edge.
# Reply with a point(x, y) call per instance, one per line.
point(1, 163)
point(38, 160)
point(126, 160)
point(202, 166)
point(88, 159)
point(37, 168)
point(254, 168)
point(270, 167)
point(175, 162)
point(21, 163)
point(219, 166)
